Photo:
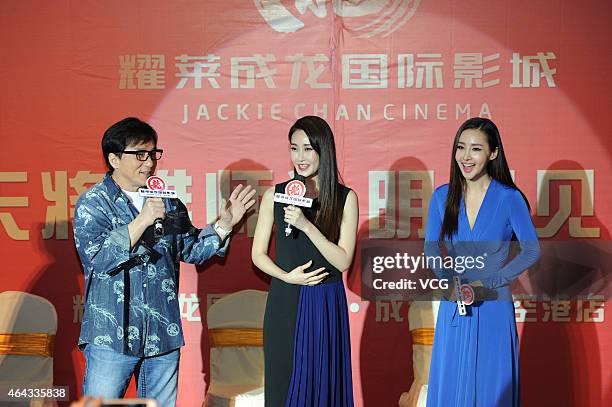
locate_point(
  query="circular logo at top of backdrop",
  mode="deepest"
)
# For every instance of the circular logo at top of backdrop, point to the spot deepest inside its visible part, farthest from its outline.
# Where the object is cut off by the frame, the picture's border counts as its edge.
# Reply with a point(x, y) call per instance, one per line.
point(377, 17)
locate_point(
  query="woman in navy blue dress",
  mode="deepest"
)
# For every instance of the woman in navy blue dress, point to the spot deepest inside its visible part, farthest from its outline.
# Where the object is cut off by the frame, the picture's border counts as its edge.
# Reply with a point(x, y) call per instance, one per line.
point(475, 356)
point(306, 329)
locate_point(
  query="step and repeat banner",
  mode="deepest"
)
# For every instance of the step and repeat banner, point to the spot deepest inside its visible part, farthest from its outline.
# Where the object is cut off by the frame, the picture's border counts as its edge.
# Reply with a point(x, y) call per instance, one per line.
point(222, 82)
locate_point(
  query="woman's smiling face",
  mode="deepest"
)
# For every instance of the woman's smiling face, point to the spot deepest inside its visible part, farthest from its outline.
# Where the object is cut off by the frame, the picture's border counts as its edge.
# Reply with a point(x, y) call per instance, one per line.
point(303, 156)
point(473, 154)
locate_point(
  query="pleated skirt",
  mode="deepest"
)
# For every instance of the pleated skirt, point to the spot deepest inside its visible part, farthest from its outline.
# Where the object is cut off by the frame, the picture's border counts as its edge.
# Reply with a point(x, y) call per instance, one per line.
point(474, 359)
point(307, 346)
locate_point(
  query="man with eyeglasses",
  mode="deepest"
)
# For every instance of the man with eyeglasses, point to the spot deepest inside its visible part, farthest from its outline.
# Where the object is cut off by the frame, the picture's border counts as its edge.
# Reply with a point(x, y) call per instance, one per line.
point(131, 321)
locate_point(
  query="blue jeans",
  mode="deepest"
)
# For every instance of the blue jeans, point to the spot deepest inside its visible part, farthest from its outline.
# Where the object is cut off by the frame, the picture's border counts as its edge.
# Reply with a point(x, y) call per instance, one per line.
point(108, 374)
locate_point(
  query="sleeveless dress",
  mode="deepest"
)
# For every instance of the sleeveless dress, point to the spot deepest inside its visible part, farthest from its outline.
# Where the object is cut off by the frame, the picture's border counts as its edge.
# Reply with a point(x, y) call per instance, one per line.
point(306, 328)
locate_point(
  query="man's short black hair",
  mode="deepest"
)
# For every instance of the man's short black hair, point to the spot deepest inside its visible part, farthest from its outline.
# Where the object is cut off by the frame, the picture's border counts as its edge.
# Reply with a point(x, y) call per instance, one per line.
point(124, 133)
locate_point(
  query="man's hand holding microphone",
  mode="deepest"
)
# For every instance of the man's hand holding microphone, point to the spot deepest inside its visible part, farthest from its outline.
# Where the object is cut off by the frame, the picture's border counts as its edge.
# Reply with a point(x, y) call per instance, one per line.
point(152, 209)
point(231, 212)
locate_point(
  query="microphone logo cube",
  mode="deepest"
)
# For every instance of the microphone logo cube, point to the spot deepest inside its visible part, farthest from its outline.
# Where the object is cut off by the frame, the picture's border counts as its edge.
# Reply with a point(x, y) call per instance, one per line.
point(295, 188)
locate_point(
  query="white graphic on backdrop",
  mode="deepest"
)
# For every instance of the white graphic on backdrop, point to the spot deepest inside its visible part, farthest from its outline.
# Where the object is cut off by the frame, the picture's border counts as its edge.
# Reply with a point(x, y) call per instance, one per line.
point(385, 16)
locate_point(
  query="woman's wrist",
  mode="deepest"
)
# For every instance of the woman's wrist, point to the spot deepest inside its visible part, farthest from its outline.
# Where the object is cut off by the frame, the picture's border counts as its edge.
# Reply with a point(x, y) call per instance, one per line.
point(307, 227)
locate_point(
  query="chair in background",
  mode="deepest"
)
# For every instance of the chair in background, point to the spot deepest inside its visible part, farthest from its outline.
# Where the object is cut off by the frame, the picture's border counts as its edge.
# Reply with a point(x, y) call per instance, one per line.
point(235, 328)
point(422, 321)
point(28, 324)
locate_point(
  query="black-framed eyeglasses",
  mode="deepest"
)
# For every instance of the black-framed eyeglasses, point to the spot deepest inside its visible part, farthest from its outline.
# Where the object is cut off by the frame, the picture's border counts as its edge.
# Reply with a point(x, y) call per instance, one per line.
point(142, 155)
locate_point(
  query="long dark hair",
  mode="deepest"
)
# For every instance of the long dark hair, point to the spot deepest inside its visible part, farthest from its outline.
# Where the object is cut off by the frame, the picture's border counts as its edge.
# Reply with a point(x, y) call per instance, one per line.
point(496, 168)
point(321, 138)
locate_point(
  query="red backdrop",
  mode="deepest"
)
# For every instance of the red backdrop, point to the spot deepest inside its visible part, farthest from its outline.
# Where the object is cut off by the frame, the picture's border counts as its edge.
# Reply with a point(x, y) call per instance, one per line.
point(222, 81)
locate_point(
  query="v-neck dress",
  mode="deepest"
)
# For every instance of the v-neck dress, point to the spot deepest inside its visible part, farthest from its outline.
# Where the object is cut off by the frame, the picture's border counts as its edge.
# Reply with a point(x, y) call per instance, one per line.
point(475, 356)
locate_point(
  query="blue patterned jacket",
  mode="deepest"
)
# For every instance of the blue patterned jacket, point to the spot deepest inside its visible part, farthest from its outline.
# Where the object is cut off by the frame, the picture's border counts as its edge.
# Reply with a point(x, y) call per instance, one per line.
point(131, 295)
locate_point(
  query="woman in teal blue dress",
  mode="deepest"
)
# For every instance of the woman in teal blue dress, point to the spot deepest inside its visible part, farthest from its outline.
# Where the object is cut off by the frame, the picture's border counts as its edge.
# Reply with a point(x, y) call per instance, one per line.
point(475, 356)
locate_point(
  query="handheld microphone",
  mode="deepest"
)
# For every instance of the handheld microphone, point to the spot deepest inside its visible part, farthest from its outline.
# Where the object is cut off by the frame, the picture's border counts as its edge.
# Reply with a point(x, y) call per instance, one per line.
point(158, 228)
point(295, 190)
point(294, 195)
point(156, 188)
point(464, 293)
